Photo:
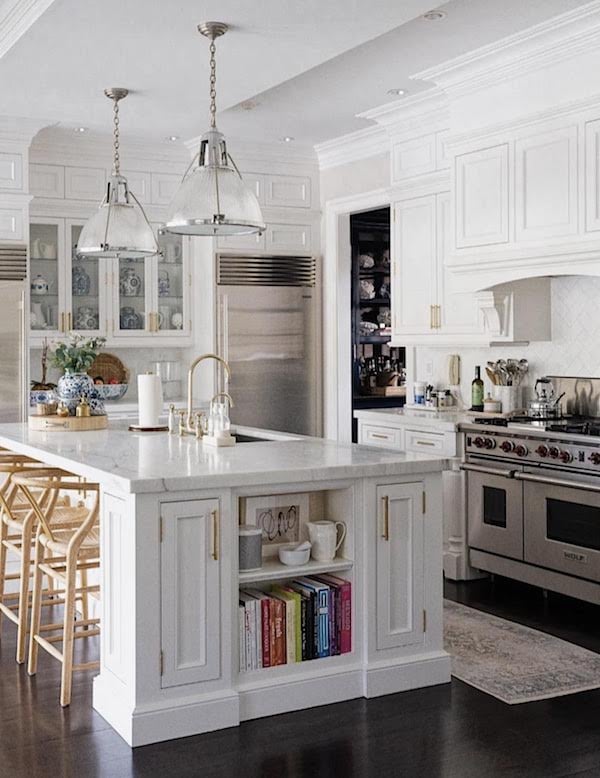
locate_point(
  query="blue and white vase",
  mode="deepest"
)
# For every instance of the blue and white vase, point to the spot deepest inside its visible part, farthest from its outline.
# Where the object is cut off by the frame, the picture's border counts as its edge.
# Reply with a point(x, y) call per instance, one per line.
point(72, 387)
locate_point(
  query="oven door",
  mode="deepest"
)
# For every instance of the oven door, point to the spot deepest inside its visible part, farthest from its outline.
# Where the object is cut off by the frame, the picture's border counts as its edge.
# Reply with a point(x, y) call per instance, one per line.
point(494, 509)
point(562, 529)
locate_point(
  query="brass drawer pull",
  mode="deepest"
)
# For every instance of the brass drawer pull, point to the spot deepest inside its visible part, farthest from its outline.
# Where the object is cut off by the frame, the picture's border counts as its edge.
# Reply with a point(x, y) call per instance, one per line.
point(424, 443)
point(381, 437)
point(386, 518)
point(215, 551)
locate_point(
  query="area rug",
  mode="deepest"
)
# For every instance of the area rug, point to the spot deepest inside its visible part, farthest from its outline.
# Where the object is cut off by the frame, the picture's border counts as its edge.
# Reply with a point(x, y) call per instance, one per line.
point(514, 663)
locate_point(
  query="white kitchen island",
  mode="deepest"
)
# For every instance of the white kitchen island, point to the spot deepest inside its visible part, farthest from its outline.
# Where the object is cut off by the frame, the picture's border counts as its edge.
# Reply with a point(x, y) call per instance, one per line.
point(169, 551)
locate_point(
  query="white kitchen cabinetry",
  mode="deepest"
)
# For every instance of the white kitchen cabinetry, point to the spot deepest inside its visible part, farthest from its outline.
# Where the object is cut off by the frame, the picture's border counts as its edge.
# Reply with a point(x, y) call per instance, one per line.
point(47, 181)
point(13, 223)
point(400, 582)
point(84, 183)
point(546, 203)
point(481, 192)
point(11, 171)
point(592, 176)
point(427, 298)
point(190, 592)
point(287, 191)
point(123, 300)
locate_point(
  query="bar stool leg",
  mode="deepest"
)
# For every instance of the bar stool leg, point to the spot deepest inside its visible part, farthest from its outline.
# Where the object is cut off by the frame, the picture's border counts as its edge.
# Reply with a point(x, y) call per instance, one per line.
point(3, 535)
point(23, 612)
point(36, 607)
point(66, 680)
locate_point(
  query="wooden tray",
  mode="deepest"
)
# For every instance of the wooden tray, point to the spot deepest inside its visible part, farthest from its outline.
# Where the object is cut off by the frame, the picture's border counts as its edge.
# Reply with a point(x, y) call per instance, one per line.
point(68, 423)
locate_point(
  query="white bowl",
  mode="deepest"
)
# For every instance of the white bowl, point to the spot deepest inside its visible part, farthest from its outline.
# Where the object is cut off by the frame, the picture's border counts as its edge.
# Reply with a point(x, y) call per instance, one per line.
point(288, 555)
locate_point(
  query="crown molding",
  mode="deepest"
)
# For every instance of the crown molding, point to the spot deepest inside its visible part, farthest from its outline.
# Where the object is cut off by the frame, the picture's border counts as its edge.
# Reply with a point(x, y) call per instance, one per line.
point(428, 109)
point(542, 45)
point(17, 17)
point(362, 144)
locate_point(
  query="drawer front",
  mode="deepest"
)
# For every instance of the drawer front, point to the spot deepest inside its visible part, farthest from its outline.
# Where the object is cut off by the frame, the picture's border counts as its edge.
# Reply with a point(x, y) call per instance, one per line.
point(424, 442)
point(384, 437)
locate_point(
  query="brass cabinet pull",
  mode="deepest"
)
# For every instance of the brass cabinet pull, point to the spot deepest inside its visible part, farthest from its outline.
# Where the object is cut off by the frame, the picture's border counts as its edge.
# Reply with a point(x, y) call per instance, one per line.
point(439, 317)
point(63, 327)
point(381, 437)
point(424, 443)
point(69, 322)
point(431, 318)
point(215, 551)
point(386, 517)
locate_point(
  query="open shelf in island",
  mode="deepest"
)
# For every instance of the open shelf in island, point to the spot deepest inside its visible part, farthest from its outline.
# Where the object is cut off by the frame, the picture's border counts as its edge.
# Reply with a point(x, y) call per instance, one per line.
point(274, 570)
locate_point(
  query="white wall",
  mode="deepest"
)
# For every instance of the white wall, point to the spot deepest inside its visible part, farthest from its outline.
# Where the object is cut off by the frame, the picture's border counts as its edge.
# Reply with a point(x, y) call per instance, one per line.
point(574, 349)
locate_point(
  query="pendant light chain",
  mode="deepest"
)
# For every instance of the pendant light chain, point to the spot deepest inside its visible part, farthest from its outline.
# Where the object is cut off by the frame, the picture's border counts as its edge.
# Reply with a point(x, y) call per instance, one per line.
point(213, 85)
point(116, 158)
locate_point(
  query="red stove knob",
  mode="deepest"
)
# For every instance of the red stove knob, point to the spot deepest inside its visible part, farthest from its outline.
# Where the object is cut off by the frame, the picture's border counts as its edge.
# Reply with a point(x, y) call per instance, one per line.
point(594, 458)
point(489, 443)
point(566, 457)
point(507, 446)
point(542, 451)
point(479, 442)
point(554, 452)
point(521, 450)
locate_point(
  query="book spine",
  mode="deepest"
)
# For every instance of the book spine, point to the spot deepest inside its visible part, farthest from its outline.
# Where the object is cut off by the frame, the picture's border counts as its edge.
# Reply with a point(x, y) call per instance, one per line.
point(346, 631)
point(333, 633)
point(314, 601)
point(279, 633)
point(304, 627)
point(272, 641)
point(259, 641)
point(290, 630)
point(247, 632)
point(242, 637)
point(322, 598)
point(266, 632)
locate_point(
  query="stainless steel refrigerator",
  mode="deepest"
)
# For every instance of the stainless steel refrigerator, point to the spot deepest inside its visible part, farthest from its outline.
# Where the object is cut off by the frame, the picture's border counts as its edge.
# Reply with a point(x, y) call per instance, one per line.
point(13, 354)
point(269, 332)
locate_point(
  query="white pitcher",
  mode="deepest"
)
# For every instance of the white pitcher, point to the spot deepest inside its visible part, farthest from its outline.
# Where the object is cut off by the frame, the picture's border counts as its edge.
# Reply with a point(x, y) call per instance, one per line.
point(324, 539)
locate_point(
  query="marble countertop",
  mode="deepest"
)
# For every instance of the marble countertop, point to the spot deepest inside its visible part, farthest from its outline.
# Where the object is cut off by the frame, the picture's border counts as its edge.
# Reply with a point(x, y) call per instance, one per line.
point(446, 420)
point(159, 462)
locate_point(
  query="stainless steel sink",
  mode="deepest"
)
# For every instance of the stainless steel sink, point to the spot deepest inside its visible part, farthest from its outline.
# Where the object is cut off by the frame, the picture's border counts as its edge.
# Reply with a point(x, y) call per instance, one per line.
point(240, 438)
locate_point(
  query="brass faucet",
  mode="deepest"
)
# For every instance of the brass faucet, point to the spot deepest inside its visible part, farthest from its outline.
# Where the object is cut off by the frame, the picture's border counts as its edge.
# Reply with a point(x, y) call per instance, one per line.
point(190, 427)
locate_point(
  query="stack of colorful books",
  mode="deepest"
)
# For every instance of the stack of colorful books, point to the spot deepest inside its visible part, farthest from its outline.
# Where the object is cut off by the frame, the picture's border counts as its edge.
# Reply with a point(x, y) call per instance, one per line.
point(298, 620)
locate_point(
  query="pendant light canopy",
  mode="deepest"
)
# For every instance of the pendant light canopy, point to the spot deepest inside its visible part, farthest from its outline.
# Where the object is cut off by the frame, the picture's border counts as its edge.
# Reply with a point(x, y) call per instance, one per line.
point(119, 228)
point(212, 198)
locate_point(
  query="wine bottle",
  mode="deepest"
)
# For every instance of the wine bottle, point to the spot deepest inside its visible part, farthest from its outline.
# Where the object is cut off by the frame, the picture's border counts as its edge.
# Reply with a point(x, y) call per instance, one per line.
point(477, 391)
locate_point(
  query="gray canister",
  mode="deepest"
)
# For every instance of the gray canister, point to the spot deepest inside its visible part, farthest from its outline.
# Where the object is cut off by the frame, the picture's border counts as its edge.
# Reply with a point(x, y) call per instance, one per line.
point(250, 547)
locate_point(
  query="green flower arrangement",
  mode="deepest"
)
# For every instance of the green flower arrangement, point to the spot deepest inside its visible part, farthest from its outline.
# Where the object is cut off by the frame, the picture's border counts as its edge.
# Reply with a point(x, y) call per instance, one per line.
point(77, 353)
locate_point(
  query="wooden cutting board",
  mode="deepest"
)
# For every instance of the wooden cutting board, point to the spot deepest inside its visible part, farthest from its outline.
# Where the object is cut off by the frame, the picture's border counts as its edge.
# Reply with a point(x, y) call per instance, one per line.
point(68, 423)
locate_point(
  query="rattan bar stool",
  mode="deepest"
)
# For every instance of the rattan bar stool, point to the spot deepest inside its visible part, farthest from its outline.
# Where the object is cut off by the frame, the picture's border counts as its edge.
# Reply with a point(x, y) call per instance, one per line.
point(63, 549)
point(17, 523)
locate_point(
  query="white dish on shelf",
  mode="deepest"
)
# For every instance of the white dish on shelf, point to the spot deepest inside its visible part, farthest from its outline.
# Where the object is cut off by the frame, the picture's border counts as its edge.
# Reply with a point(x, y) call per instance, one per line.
point(293, 554)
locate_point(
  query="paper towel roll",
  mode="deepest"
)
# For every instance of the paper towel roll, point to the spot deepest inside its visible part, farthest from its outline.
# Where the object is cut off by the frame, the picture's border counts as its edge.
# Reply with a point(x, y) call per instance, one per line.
point(150, 400)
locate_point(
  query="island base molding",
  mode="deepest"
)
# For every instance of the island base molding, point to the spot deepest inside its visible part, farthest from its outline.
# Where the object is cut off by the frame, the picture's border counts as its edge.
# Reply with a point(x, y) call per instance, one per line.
point(192, 716)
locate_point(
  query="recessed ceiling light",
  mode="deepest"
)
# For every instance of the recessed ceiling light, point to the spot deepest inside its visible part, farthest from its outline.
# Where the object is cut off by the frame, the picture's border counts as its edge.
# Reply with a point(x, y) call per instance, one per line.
point(172, 138)
point(396, 92)
point(287, 139)
point(80, 129)
point(434, 16)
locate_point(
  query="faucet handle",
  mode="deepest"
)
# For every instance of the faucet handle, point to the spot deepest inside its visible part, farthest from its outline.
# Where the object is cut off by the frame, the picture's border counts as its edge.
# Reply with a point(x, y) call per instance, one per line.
point(181, 422)
point(200, 423)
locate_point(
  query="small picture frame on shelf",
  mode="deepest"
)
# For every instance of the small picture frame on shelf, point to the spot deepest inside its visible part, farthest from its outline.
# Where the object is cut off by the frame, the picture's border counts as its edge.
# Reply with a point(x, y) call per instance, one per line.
point(278, 516)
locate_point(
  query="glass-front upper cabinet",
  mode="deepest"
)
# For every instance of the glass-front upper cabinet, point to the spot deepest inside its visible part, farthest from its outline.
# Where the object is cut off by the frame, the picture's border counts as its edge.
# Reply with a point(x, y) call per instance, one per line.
point(172, 285)
point(132, 289)
point(47, 305)
point(86, 288)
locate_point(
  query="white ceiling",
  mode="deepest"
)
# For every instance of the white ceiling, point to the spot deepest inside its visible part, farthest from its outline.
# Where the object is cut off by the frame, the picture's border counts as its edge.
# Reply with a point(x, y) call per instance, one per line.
point(308, 66)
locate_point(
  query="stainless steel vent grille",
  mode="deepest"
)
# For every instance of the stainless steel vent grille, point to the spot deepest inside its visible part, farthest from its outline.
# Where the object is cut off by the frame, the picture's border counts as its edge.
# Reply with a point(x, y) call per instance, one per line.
point(265, 271)
point(13, 261)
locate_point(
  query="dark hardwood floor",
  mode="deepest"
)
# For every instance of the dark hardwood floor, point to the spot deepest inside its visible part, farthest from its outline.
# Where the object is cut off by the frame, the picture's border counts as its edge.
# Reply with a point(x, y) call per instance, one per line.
point(450, 731)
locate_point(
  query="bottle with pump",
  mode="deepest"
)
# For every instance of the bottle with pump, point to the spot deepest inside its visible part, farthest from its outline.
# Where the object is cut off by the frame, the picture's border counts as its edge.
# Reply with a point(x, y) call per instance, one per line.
point(477, 391)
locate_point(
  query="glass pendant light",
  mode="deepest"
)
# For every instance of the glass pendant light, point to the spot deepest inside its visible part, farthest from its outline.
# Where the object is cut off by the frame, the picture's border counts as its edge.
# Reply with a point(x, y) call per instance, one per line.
point(212, 198)
point(119, 228)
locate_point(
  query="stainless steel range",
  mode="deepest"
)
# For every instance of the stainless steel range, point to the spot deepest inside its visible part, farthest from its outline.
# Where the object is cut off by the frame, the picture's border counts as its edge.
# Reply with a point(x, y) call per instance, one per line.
point(533, 502)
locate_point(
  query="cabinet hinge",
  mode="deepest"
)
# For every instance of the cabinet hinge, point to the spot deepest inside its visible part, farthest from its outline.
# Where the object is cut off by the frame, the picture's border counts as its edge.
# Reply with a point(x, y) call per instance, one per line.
point(424, 506)
point(424, 621)
point(161, 662)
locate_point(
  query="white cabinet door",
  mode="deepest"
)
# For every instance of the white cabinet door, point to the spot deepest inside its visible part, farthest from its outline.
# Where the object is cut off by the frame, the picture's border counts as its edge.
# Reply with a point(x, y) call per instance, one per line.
point(400, 565)
point(413, 157)
point(458, 312)
point(12, 224)
point(592, 176)
point(414, 266)
point(11, 171)
point(481, 191)
point(546, 185)
point(85, 183)
point(164, 186)
point(288, 237)
point(190, 592)
point(287, 191)
point(47, 181)
point(253, 243)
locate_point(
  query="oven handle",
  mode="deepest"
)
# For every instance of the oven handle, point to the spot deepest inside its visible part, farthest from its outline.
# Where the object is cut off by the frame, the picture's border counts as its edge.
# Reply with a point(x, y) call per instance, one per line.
point(537, 479)
point(488, 470)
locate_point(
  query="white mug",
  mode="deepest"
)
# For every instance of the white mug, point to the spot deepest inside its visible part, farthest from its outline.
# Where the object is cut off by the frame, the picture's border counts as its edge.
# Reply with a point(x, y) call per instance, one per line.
point(323, 537)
